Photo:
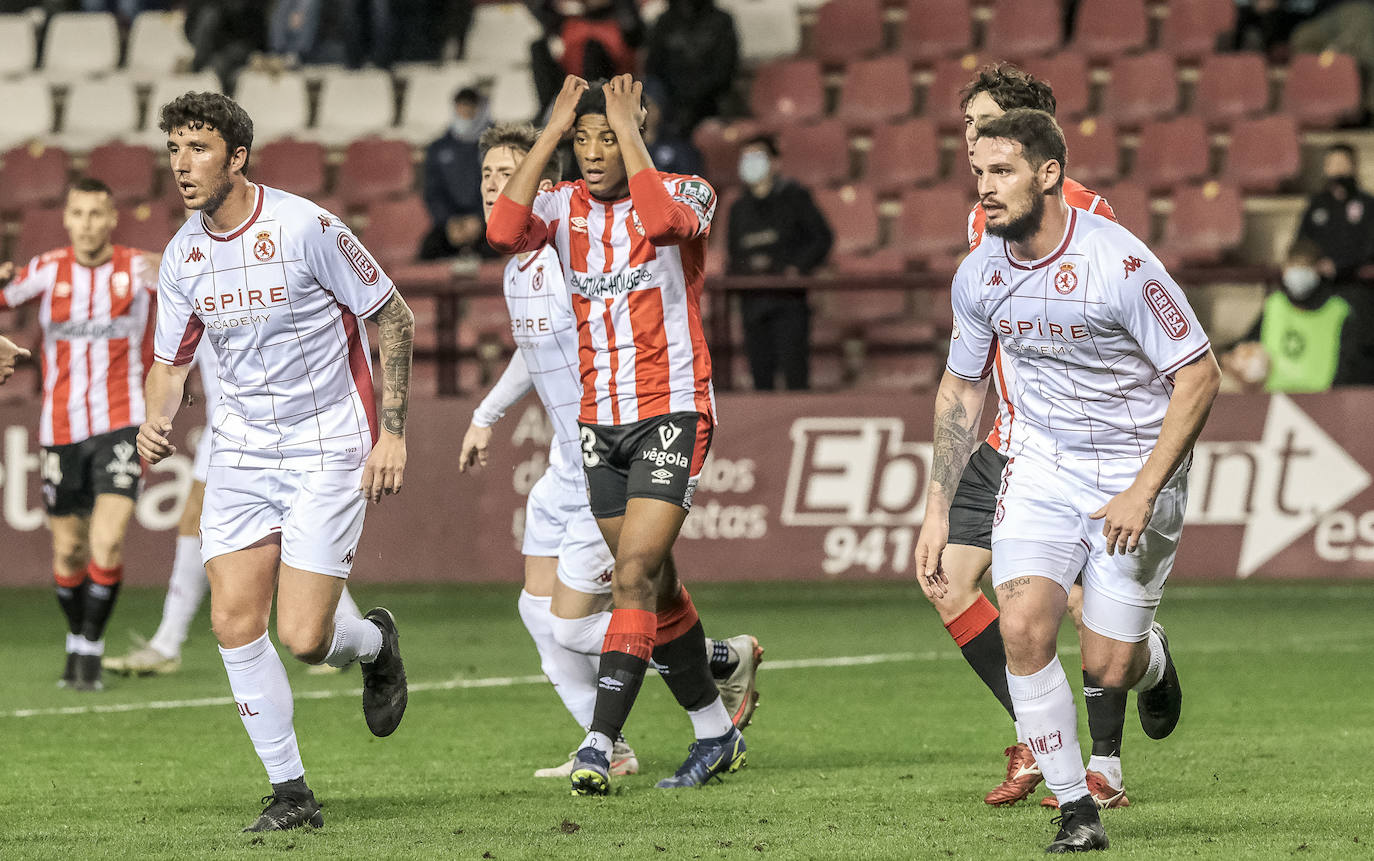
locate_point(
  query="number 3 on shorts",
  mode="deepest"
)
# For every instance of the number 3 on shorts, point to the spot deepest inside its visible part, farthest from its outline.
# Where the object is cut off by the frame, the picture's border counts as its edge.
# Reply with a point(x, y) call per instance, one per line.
point(589, 456)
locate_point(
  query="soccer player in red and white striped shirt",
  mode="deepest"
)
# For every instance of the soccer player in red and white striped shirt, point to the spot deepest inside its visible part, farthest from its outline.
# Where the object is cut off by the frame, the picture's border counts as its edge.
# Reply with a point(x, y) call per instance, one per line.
point(96, 303)
point(632, 243)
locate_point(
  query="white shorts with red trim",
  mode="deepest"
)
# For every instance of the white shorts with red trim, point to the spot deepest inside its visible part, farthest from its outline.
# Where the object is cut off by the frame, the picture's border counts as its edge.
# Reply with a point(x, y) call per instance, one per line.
point(319, 515)
point(559, 523)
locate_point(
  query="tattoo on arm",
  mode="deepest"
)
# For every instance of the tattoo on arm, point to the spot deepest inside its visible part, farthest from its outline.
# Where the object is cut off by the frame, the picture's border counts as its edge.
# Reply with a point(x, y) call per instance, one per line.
point(396, 345)
point(954, 441)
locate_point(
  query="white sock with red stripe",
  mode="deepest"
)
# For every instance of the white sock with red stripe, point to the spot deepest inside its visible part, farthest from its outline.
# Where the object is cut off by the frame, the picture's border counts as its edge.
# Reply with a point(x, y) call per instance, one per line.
point(258, 680)
point(1048, 722)
point(185, 591)
point(572, 673)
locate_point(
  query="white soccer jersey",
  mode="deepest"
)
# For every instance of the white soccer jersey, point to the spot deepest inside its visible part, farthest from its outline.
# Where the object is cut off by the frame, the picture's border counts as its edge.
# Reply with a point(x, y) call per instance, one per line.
point(281, 298)
point(1093, 333)
point(208, 368)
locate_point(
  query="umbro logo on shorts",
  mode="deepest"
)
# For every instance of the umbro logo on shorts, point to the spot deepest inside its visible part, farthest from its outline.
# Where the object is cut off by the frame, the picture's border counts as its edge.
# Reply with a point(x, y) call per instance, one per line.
point(669, 434)
point(662, 476)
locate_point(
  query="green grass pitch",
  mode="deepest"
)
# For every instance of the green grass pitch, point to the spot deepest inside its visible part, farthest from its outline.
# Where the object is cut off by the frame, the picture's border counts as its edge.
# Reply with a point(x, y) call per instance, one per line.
point(887, 759)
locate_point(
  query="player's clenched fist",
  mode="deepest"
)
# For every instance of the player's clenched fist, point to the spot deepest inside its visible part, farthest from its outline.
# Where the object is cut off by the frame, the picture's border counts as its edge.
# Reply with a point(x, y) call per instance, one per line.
point(153, 444)
point(385, 470)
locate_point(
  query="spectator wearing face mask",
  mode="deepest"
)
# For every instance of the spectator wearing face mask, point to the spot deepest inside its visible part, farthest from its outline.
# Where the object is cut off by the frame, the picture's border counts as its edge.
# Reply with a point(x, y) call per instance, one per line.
point(1340, 220)
point(775, 229)
point(453, 182)
point(1305, 339)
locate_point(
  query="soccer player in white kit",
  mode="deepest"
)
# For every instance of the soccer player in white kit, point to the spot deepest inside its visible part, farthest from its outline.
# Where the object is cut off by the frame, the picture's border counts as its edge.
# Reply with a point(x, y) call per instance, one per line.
point(1113, 380)
point(279, 287)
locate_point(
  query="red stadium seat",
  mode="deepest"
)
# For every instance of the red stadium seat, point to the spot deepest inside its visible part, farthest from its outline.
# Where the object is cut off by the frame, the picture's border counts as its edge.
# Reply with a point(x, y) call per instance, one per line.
point(1171, 152)
point(815, 155)
point(129, 171)
point(941, 101)
point(146, 226)
point(1093, 154)
point(852, 213)
point(395, 228)
point(1231, 87)
point(1067, 73)
point(936, 29)
point(1106, 29)
point(902, 372)
point(719, 144)
point(1207, 222)
point(851, 29)
point(291, 165)
point(933, 228)
point(903, 155)
point(1143, 88)
point(1021, 29)
point(875, 91)
point(787, 91)
point(851, 310)
point(1264, 154)
point(1191, 28)
point(375, 169)
point(33, 176)
point(1322, 89)
point(1130, 201)
point(40, 230)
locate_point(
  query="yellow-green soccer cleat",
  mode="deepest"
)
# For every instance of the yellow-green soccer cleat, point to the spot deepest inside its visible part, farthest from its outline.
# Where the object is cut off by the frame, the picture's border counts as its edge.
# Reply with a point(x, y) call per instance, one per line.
point(707, 759)
point(591, 772)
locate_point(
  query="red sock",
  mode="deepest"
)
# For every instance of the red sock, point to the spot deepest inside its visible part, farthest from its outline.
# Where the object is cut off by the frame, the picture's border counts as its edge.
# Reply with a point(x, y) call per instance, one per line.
point(68, 581)
point(105, 576)
point(972, 621)
point(631, 632)
point(678, 619)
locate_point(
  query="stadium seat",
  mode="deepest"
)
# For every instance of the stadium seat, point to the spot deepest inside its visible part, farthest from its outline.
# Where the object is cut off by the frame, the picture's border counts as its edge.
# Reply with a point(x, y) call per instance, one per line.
point(719, 143)
point(157, 46)
point(1231, 87)
point(128, 169)
point(291, 165)
point(40, 230)
point(1322, 89)
point(1207, 222)
point(395, 228)
point(903, 155)
point(28, 110)
point(500, 35)
point(852, 213)
point(941, 99)
point(1143, 88)
point(80, 44)
point(354, 104)
point(18, 36)
point(145, 226)
point(849, 30)
point(902, 372)
point(850, 311)
point(375, 169)
point(767, 29)
point(1067, 73)
point(1094, 157)
point(875, 91)
point(933, 228)
point(427, 108)
point(278, 104)
point(788, 91)
point(1106, 29)
point(936, 30)
point(513, 98)
point(1130, 202)
point(1021, 29)
point(1192, 27)
point(1171, 152)
point(815, 155)
point(33, 176)
point(99, 110)
point(1264, 154)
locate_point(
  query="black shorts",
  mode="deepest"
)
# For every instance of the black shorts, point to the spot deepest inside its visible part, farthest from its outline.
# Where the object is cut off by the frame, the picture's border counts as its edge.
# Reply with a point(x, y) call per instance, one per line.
point(657, 458)
point(74, 475)
point(975, 500)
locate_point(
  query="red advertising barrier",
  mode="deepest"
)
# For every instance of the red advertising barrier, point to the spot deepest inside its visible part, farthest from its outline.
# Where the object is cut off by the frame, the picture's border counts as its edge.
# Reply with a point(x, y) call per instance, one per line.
point(797, 487)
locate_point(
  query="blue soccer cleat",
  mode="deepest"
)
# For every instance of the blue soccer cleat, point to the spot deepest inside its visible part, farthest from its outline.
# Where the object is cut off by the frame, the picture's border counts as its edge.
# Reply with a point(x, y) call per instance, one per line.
point(591, 772)
point(708, 758)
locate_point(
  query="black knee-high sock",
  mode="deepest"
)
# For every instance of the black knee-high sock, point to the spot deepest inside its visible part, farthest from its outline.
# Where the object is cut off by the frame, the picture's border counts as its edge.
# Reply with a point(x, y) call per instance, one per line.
point(1106, 715)
point(69, 597)
point(683, 665)
point(624, 660)
point(979, 636)
point(98, 600)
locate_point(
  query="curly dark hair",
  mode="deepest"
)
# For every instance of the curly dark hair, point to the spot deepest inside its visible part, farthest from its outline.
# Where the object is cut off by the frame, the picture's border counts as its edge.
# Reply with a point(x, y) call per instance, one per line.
point(593, 101)
point(519, 137)
point(1010, 88)
point(1040, 137)
point(210, 111)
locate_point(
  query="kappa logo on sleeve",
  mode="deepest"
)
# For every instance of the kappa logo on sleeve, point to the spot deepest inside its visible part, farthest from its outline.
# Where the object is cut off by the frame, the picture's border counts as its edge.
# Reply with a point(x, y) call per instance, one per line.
point(362, 264)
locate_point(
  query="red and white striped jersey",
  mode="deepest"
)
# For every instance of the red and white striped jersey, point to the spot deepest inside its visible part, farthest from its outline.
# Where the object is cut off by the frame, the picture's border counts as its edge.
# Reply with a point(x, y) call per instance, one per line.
point(635, 269)
point(1078, 196)
point(97, 340)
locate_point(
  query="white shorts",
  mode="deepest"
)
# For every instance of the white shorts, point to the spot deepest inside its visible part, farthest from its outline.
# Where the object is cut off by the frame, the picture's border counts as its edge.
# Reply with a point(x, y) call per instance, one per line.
point(319, 515)
point(559, 522)
point(201, 469)
point(1042, 528)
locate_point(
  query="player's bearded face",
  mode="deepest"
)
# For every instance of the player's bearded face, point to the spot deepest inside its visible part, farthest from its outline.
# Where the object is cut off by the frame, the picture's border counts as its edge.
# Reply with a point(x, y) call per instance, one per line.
point(598, 157)
point(200, 166)
point(1008, 188)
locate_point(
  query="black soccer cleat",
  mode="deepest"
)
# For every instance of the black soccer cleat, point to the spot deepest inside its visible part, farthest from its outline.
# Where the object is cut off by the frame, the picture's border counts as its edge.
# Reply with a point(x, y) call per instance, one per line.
point(384, 680)
point(68, 672)
point(88, 674)
point(1080, 828)
point(289, 810)
point(1161, 706)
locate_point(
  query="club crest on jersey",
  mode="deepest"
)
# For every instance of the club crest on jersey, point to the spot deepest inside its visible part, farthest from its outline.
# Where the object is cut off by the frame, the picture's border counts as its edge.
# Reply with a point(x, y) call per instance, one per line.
point(119, 282)
point(264, 248)
point(1065, 281)
point(357, 258)
point(195, 256)
point(578, 223)
point(537, 282)
point(1166, 311)
point(996, 279)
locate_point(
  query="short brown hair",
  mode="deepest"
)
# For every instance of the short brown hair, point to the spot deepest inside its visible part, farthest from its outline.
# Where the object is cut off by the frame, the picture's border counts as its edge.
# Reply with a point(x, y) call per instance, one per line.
point(90, 184)
point(1040, 137)
point(212, 111)
point(520, 137)
point(1010, 88)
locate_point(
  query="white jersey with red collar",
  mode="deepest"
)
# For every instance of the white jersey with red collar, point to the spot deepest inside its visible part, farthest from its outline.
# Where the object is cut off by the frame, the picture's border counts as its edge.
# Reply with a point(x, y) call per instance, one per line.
point(641, 345)
point(281, 298)
point(1093, 334)
point(97, 340)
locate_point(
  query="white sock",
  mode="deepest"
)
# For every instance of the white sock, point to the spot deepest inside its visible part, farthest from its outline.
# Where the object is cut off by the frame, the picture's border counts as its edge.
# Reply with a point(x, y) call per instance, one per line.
point(260, 687)
point(73, 644)
point(1154, 670)
point(347, 606)
point(584, 636)
point(1048, 719)
point(713, 721)
point(1109, 767)
point(572, 675)
point(354, 640)
point(600, 741)
point(185, 591)
point(79, 645)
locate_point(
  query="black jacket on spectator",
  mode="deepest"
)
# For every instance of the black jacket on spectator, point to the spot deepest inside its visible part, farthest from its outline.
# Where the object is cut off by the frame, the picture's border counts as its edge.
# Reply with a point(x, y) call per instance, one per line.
point(1343, 230)
point(693, 50)
point(453, 178)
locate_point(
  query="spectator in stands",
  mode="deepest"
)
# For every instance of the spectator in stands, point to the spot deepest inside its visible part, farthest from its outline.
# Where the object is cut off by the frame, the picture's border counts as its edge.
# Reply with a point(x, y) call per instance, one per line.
point(1306, 338)
point(127, 10)
point(224, 34)
point(423, 28)
point(1340, 220)
point(1344, 26)
point(1267, 25)
point(694, 52)
point(453, 182)
point(598, 39)
point(775, 229)
point(671, 152)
